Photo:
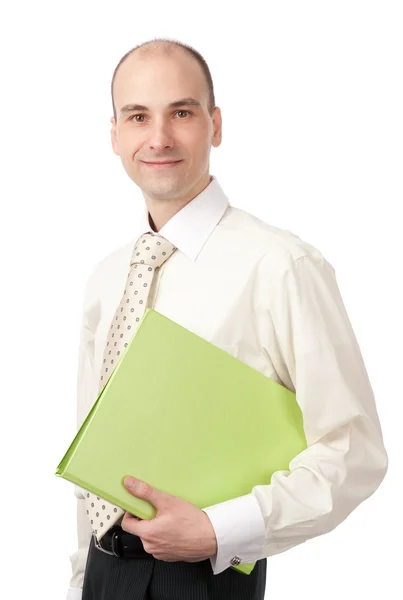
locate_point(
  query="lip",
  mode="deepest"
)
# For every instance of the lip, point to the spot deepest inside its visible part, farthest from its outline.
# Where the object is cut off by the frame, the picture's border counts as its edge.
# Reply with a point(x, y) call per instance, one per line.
point(162, 165)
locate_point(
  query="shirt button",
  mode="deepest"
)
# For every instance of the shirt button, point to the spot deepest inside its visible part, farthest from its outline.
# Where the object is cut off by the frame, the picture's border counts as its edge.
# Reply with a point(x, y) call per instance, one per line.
point(235, 561)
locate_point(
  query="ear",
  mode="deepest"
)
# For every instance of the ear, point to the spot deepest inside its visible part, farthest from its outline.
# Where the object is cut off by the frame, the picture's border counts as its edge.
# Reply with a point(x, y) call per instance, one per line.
point(114, 140)
point(217, 127)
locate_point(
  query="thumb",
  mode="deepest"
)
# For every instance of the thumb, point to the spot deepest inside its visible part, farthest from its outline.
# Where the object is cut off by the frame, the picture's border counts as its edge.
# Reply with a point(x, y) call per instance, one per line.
point(145, 491)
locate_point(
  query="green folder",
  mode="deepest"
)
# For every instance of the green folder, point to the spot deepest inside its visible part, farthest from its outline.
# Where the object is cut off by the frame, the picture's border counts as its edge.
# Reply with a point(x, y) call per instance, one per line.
point(186, 417)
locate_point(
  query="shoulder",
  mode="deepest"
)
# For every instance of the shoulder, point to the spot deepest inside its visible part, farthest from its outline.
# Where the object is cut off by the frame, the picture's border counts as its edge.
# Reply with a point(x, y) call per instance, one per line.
point(279, 249)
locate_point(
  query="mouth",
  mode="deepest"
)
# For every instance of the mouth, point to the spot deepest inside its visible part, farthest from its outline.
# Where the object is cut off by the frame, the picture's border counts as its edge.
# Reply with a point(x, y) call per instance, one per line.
point(162, 165)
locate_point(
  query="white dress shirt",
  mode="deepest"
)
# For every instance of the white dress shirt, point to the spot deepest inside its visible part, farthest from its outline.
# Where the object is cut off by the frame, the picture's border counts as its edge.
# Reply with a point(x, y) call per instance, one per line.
point(271, 300)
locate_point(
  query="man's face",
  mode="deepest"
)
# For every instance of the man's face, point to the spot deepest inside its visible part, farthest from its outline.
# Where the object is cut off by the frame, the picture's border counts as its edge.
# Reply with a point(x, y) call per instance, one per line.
point(182, 133)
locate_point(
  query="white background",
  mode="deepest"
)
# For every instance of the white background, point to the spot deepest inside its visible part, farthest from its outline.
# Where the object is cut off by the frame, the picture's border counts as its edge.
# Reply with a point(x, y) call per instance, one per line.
point(311, 97)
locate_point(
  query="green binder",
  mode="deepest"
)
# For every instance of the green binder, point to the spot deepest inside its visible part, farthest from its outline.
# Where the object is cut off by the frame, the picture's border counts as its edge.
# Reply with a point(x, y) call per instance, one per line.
point(188, 418)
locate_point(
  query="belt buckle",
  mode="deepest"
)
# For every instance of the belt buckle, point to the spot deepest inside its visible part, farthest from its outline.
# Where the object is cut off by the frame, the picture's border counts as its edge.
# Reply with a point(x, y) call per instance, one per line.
point(114, 551)
point(114, 543)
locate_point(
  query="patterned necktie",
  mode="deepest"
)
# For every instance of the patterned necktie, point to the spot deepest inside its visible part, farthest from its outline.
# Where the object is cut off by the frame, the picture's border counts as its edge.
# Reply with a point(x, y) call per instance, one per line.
point(149, 253)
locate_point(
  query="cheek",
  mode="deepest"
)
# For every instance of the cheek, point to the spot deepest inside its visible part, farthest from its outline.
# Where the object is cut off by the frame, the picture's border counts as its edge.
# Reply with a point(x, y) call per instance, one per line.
point(128, 146)
point(195, 142)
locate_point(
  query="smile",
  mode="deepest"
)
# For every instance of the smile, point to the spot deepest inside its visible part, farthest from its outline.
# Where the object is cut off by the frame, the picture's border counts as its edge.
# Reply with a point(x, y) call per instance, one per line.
point(163, 165)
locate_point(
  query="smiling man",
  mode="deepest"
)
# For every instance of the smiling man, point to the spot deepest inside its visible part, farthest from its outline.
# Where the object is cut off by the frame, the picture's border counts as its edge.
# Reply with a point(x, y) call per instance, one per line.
point(165, 143)
point(258, 292)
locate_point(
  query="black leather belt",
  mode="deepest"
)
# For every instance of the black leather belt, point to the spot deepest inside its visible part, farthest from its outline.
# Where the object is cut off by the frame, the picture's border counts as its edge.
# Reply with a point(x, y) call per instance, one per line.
point(118, 542)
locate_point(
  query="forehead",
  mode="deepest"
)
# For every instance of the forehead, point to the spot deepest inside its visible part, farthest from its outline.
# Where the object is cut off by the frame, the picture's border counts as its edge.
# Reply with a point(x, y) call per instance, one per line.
point(156, 80)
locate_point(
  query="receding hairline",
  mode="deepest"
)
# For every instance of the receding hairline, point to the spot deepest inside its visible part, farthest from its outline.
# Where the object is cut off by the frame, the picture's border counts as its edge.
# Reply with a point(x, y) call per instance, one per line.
point(150, 51)
point(165, 47)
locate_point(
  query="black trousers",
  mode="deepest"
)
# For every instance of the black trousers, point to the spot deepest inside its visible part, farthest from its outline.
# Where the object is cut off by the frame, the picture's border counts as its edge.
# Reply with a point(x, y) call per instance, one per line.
point(110, 578)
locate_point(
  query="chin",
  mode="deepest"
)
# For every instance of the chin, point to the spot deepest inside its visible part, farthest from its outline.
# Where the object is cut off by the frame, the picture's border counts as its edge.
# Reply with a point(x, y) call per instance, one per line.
point(162, 188)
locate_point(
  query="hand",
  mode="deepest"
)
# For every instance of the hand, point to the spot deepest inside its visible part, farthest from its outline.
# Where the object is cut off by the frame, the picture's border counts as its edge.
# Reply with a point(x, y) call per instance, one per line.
point(180, 531)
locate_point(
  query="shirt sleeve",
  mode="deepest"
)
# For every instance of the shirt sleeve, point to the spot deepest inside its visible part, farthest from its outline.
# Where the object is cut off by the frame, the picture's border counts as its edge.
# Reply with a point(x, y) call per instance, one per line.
point(310, 341)
point(238, 525)
point(85, 398)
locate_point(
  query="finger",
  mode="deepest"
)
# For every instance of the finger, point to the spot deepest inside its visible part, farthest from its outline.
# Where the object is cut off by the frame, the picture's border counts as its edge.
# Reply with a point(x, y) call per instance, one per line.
point(130, 516)
point(170, 558)
point(166, 558)
point(192, 560)
point(128, 521)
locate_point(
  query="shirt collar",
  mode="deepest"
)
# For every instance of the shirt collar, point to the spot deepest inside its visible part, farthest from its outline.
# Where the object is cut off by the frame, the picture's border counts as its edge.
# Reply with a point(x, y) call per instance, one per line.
point(189, 229)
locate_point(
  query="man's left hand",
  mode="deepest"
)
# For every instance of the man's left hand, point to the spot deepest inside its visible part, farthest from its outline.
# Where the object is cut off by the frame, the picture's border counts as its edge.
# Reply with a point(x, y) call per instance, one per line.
point(180, 531)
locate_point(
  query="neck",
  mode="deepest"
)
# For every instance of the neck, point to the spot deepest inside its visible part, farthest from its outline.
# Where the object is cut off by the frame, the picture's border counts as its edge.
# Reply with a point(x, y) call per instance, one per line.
point(161, 211)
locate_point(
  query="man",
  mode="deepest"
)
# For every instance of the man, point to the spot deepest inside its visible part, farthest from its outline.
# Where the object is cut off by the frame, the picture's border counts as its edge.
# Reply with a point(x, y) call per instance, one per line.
point(256, 291)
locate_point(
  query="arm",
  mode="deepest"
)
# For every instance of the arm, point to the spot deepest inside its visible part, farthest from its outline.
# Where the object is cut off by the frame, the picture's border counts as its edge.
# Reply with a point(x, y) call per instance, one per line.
point(85, 398)
point(310, 341)
point(79, 558)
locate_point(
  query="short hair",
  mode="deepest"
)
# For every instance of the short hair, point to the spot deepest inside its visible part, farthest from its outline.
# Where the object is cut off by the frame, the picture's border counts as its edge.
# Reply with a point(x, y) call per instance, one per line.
point(168, 46)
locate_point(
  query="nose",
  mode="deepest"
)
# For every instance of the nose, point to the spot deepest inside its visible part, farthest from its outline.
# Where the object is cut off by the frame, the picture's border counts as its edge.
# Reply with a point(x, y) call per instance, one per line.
point(160, 137)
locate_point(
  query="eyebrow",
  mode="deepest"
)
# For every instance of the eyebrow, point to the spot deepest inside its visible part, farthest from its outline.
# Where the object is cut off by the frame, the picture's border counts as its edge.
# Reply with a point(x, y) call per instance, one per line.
point(182, 102)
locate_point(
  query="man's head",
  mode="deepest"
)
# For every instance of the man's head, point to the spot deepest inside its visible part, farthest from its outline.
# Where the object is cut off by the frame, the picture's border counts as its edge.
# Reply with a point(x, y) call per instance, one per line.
point(155, 75)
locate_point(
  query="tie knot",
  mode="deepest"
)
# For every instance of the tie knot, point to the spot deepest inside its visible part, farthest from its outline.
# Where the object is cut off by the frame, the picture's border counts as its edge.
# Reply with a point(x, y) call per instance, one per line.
point(152, 249)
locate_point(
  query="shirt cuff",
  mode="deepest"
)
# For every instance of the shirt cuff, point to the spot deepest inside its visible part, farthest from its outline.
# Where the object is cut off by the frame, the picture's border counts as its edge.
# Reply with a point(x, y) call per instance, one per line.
point(240, 531)
point(74, 594)
point(79, 492)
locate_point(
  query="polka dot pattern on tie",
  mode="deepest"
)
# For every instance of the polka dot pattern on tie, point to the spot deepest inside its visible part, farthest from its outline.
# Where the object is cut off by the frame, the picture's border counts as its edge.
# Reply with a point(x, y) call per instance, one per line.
point(149, 253)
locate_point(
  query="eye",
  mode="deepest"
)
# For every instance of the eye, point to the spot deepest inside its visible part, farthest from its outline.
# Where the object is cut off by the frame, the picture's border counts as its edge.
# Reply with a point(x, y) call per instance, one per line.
point(134, 119)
